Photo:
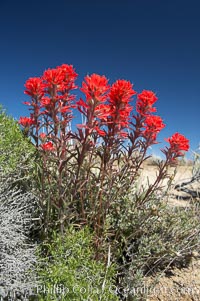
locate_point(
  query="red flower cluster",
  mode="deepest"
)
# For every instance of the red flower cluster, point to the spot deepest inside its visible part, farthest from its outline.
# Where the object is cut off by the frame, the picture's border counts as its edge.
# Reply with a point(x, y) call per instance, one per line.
point(116, 112)
point(145, 102)
point(48, 146)
point(95, 88)
point(119, 98)
point(56, 83)
point(51, 101)
point(107, 109)
point(34, 87)
point(153, 125)
point(26, 121)
point(178, 143)
point(121, 91)
point(60, 78)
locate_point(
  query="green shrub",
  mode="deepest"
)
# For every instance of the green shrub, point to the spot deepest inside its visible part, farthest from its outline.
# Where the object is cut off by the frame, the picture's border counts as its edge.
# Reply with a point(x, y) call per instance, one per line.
point(17, 153)
point(70, 272)
point(15, 148)
point(151, 238)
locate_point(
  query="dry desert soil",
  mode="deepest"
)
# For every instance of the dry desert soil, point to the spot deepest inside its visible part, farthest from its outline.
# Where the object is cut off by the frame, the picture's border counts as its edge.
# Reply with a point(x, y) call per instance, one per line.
point(180, 284)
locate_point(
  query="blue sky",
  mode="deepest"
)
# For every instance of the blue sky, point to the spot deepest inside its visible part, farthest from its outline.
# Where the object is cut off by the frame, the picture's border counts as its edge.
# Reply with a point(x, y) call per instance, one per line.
point(155, 44)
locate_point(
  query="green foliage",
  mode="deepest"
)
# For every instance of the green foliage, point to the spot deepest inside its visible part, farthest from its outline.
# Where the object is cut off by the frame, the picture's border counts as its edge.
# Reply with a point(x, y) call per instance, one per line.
point(15, 148)
point(70, 272)
point(18, 156)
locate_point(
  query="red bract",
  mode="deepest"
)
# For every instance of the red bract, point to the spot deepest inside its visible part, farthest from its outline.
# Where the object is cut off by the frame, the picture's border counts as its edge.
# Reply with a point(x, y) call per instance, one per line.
point(62, 78)
point(69, 73)
point(26, 121)
point(121, 91)
point(81, 103)
point(53, 76)
point(65, 109)
point(178, 143)
point(120, 96)
point(147, 97)
point(48, 146)
point(121, 116)
point(43, 136)
point(45, 101)
point(145, 101)
point(99, 131)
point(34, 86)
point(95, 88)
point(153, 125)
point(103, 111)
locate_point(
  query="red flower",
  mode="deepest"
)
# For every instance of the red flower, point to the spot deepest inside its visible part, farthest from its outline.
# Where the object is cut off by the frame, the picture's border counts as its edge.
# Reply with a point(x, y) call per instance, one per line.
point(121, 91)
point(120, 96)
point(103, 111)
point(34, 86)
point(26, 121)
point(153, 125)
point(147, 97)
point(120, 117)
point(99, 131)
point(48, 146)
point(145, 101)
point(61, 77)
point(178, 143)
point(95, 88)
point(65, 109)
point(69, 72)
point(53, 76)
point(43, 136)
point(45, 101)
point(81, 103)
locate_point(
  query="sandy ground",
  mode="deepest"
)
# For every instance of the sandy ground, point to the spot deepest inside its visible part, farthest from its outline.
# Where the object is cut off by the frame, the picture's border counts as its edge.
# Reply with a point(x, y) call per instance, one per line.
point(182, 284)
point(179, 175)
point(150, 172)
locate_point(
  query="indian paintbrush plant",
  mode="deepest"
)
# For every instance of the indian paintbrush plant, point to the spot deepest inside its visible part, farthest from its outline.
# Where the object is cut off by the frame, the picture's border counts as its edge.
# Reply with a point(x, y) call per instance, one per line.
point(85, 171)
point(88, 172)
